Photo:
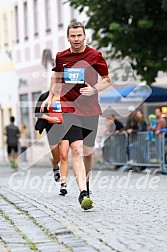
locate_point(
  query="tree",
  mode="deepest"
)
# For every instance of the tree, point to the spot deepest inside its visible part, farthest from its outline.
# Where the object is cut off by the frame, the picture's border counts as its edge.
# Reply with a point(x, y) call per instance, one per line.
point(131, 28)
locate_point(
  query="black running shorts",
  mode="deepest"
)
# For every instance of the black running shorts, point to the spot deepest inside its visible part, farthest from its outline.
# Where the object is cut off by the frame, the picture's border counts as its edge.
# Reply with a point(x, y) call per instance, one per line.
point(55, 133)
point(80, 128)
point(12, 148)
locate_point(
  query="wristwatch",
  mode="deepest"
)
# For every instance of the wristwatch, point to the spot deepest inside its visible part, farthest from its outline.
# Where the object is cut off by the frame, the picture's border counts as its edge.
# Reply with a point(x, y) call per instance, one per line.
point(95, 89)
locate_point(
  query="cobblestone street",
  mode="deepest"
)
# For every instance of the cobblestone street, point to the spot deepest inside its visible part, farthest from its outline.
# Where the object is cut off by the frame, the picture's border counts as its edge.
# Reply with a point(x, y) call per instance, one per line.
point(129, 213)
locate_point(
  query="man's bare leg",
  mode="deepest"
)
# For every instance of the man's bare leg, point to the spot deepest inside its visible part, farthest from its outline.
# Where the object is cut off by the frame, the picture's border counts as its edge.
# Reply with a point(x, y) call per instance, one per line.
point(80, 174)
point(56, 159)
point(88, 159)
point(64, 149)
point(78, 164)
point(89, 162)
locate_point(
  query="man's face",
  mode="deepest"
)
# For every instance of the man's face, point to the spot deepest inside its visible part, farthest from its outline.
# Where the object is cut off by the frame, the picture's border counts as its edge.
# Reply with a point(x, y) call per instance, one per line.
point(158, 113)
point(76, 38)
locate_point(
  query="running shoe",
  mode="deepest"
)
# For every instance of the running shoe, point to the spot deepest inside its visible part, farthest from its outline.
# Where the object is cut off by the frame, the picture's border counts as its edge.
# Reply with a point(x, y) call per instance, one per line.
point(56, 174)
point(85, 201)
point(13, 164)
point(63, 189)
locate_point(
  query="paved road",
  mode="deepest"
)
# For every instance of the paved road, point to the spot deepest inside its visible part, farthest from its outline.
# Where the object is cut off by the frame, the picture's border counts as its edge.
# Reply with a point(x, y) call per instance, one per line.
point(129, 213)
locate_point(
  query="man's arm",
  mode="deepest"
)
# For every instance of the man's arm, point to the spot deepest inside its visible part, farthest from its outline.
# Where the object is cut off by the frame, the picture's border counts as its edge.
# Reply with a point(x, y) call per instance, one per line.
point(56, 78)
point(100, 86)
point(160, 125)
point(103, 84)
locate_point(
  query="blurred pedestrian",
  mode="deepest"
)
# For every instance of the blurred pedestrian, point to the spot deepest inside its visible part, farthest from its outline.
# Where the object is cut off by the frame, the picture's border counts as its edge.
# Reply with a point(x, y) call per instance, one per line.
point(141, 122)
point(113, 125)
point(141, 149)
point(12, 133)
point(131, 129)
point(159, 124)
point(131, 123)
point(160, 121)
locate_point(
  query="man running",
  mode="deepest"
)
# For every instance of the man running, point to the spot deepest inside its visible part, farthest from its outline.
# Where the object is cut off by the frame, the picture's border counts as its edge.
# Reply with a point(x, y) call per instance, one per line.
point(78, 67)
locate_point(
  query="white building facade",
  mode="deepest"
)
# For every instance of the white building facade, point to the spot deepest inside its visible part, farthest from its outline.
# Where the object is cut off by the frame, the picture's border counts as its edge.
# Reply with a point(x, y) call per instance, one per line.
point(40, 32)
point(8, 77)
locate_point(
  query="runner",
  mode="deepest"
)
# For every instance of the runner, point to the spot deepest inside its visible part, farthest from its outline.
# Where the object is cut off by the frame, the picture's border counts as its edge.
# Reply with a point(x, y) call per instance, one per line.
point(78, 67)
point(52, 122)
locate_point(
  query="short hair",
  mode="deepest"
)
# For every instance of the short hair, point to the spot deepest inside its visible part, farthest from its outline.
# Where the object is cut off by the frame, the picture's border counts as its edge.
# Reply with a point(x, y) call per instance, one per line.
point(12, 119)
point(75, 24)
point(159, 108)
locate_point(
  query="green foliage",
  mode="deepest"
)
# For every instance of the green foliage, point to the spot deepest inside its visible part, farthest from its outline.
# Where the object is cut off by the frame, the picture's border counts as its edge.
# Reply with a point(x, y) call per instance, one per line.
point(133, 28)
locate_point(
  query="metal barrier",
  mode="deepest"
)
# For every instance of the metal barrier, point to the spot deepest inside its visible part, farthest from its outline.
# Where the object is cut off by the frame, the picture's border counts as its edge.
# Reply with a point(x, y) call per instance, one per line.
point(138, 149)
point(143, 149)
point(163, 151)
point(115, 149)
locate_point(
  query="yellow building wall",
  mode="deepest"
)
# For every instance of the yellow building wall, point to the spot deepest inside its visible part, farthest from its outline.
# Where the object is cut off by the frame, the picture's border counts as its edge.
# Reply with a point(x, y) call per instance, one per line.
point(6, 34)
point(6, 66)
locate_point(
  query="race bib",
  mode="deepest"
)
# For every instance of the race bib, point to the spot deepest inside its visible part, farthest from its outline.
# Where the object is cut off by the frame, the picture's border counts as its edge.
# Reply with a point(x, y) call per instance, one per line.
point(55, 111)
point(74, 75)
point(56, 106)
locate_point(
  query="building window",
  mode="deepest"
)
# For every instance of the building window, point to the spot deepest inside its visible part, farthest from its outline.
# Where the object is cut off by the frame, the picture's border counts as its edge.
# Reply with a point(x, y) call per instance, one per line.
point(60, 13)
point(16, 24)
point(47, 15)
point(25, 20)
point(35, 18)
point(27, 54)
point(5, 29)
point(35, 97)
point(24, 110)
point(37, 54)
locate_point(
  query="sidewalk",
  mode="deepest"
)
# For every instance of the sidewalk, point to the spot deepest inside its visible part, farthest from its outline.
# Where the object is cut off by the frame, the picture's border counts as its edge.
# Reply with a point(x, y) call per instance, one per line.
point(128, 215)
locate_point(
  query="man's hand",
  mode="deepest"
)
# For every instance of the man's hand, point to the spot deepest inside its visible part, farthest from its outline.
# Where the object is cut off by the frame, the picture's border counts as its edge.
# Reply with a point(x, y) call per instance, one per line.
point(45, 103)
point(88, 90)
